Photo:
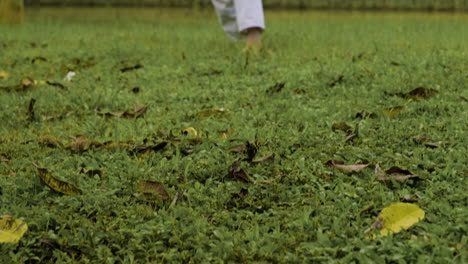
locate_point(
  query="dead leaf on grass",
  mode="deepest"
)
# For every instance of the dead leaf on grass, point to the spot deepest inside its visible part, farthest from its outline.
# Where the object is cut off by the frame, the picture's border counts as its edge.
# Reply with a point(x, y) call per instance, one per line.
point(392, 112)
point(56, 184)
point(11, 229)
point(143, 149)
point(80, 144)
point(394, 174)
point(237, 173)
point(252, 149)
point(395, 218)
point(238, 148)
point(340, 165)
point(153, 190)
point(31, 109)
point(25, 84)
point(139, 111)
point(337, 81)
point(342, 126)
point(276, 88)
point(131, 68)
point(419, 93)
point(55, 84)
point(49, 141)
point(270, 157)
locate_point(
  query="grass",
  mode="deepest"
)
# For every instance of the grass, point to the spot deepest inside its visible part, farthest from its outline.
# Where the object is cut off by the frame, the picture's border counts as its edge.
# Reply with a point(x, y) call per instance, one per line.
point(333, 65)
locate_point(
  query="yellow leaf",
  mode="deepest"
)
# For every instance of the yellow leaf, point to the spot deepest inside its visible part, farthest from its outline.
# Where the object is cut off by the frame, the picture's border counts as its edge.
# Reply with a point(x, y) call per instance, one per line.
point(3, 75)
point(397, 217)
point(191, 131)
point(56, 184)
point(11, 230)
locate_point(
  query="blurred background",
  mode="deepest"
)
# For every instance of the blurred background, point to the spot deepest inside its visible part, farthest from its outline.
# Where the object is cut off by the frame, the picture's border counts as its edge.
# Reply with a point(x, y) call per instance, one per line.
point(423, 5)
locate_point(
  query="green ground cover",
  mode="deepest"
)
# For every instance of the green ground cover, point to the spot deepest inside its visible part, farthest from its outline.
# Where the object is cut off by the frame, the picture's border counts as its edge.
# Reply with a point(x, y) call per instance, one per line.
point(317, 70)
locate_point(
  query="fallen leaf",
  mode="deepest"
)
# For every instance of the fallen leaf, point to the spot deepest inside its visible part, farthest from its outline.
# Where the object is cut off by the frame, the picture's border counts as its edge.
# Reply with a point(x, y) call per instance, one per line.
point(432, 144)
point(56, 184)
point(251, 148)
point(335, 82)
point(238, 148)
point(276, 88)
point(237, 173)
point(131, 68)
point(139, 111)
point(80, 144)
point(55, 84)
point(152, 188)
point(394, 174)
point(49, 141)
point(190, 131)
point(146, 148)
point(270, 157)
point(31, 109)
point(92, 172)
point(392, 112)
point(11, 229)
point(346, 168)
point(410, 198)
point(3, 75)
point(419, 93)
point(342, 126)
point(397, 217)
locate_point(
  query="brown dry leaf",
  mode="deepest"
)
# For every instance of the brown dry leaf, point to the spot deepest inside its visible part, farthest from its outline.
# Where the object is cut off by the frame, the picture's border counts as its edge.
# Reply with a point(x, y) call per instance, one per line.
point(92, 172)
point(276, 88)
point(49, 141)
point(56, 184)
point(410, 198)
point(237, 173)
point(131, 68)
point(419, 93)
point(238, 148)
point(31, 104)
point(142, 149)
point(55, 84)
point(432, 144)
point(80, 144)
point(252, 149)
point(342, 126)
point(340, 165)
point(270, 157)
point(337, 81)
point(139, 111)
point(392, 112)
point(394, 174)
point(153, 190)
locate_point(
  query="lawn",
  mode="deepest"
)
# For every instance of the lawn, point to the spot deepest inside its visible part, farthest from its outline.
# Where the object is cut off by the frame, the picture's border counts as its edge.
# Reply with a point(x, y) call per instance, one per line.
point(187, 150)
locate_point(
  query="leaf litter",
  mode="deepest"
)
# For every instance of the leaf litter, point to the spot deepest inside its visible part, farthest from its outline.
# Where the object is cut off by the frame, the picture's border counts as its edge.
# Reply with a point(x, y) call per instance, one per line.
point(55, 184)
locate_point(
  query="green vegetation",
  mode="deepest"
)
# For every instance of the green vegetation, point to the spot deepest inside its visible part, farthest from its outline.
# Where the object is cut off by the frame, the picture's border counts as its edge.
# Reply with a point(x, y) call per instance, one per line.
point(139, 187)
point(452, 5)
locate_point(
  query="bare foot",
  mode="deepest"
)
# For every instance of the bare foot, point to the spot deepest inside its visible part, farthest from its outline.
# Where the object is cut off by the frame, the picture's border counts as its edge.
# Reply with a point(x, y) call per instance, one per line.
point(254, 39)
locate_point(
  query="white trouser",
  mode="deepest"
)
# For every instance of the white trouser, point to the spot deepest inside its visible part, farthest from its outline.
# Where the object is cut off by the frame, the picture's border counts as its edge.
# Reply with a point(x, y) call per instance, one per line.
point(238, 15)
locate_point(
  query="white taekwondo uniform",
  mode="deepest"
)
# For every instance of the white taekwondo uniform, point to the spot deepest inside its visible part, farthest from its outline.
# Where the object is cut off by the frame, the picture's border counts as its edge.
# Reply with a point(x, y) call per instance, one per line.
point(236, 16)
